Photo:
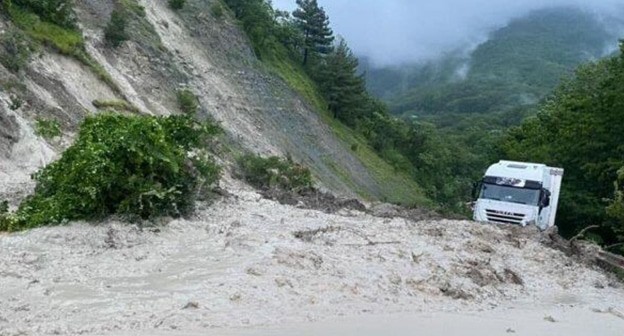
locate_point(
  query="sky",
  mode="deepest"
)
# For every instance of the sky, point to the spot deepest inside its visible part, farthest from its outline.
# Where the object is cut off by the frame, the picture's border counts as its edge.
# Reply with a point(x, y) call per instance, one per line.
point(392, 32)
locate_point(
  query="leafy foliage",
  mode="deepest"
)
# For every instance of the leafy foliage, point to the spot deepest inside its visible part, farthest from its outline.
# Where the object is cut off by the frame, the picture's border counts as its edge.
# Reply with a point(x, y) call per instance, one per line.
point(615, 210)
point(187, 101)
point(136, 166)
point(580, 129)
point(115, 31)
point(275, 172)
point(58, 12)
point(15, 50)
point(343, 90)
point(177, 4)
point(47, 128)
point(313, 22)
point(64, 38)
point(257, 18)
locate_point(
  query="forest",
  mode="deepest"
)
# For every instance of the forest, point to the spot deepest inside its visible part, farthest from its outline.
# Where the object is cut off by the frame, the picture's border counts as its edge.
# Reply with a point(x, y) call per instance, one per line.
point(578, 126)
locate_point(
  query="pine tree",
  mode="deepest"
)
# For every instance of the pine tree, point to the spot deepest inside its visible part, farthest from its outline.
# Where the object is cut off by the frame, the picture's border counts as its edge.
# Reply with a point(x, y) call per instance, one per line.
point(314, 23)
point(344, 90)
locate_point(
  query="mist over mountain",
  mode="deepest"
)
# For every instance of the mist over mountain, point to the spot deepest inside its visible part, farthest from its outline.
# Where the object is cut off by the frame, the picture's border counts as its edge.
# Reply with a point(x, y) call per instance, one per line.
point(399, 31)
point(515, 68)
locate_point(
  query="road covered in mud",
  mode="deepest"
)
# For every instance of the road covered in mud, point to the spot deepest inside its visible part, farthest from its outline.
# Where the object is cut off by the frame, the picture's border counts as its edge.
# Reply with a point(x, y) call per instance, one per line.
point(250, 266)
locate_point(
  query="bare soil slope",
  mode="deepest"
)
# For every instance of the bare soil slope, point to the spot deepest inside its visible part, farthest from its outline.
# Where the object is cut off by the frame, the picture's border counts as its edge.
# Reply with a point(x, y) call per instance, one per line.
point(168, 50)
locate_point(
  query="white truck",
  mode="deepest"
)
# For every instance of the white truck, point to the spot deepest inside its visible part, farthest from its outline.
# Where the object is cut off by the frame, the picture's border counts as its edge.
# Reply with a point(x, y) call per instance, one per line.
point(519, 193)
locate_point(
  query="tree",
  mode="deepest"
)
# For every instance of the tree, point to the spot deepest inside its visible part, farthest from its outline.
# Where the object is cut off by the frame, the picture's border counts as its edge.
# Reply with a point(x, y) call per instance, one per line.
point(580, 129)
point(257, 18)
point(314, 23)
point(344, 90)
point(615, 210)
point(115, 31)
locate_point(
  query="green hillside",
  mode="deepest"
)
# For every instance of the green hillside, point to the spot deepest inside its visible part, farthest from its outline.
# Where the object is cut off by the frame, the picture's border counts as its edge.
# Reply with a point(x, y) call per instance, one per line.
point(517, 67)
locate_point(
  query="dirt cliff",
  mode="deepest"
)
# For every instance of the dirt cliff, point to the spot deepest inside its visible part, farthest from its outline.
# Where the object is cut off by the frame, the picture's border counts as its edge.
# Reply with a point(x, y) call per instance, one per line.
point(168, 50)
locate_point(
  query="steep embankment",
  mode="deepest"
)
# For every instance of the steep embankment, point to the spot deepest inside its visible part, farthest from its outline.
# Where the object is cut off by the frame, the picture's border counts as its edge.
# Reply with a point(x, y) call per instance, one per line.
point(247, 261)
point(192, 48)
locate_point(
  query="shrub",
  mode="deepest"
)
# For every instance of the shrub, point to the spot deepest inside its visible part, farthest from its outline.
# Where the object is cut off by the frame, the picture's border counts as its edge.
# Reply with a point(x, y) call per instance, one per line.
point(47, 128)
point(5, 217)
point(115, 31)
point(134, 166)
point(275, 172)
point(59, 12)
point(177, 4)
point(15, 102)
point(14, 50)
point(187, 101)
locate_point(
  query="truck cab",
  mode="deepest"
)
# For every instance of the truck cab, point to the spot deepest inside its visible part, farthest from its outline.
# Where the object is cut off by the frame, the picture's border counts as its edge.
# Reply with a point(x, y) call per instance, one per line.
point(519, 193)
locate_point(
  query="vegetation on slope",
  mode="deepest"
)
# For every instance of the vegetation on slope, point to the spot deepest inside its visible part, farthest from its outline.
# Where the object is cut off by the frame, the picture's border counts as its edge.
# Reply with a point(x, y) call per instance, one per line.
point(134, 166)
point(302, 50)
point(518, 66)
point(52, 23)
point(580, 128)
point(473, 100)
point(275, 172)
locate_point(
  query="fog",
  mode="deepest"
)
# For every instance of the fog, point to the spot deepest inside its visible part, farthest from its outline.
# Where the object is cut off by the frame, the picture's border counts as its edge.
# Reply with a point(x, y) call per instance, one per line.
point(399, 31)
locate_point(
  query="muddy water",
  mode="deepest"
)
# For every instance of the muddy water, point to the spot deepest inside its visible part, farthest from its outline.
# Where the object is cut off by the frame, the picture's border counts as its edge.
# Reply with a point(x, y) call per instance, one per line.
point(237, 266)
point(540, 321)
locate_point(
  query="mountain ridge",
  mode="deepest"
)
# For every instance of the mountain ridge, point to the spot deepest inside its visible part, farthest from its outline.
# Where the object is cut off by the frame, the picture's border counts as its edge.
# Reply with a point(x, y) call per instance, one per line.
point(517, 66)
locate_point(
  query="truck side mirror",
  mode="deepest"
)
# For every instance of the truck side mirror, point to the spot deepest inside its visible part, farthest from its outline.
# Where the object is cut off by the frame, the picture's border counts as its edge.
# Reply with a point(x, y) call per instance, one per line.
point(545, 198)
point(476, 188)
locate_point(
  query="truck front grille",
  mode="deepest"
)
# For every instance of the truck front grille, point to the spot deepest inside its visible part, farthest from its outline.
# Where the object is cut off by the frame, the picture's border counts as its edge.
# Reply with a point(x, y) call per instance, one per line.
point(504, 217)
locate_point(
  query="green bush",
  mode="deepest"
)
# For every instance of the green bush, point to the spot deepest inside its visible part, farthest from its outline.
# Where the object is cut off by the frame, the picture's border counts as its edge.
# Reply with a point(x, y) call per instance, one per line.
point(58, 12)
point(15, 102)
point(47, 128)
point(14, 50)
point(275, 172)
point(5, 216)
point(177, 4)
point(187, 101)
point(115, 31)
point(134, 166)
point(615, 210)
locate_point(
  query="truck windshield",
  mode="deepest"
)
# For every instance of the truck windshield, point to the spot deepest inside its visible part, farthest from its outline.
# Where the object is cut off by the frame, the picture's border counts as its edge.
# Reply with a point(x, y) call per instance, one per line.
point(510, 194)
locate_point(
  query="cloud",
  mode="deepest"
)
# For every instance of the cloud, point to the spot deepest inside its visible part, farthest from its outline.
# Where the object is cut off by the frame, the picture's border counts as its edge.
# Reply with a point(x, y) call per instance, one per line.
point(397, 31)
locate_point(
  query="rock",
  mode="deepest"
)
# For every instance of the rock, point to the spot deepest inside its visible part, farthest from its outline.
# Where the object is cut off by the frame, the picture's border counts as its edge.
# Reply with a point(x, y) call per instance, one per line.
point(191, 305)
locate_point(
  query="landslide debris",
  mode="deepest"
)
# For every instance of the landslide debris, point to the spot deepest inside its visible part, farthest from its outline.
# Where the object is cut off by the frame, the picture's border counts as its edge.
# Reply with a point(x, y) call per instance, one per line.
point(249, 261)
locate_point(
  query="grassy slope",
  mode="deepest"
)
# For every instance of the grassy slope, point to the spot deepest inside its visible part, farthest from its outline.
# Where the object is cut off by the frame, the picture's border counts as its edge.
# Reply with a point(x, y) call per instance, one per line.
point(65, 41)
point(396, 187)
